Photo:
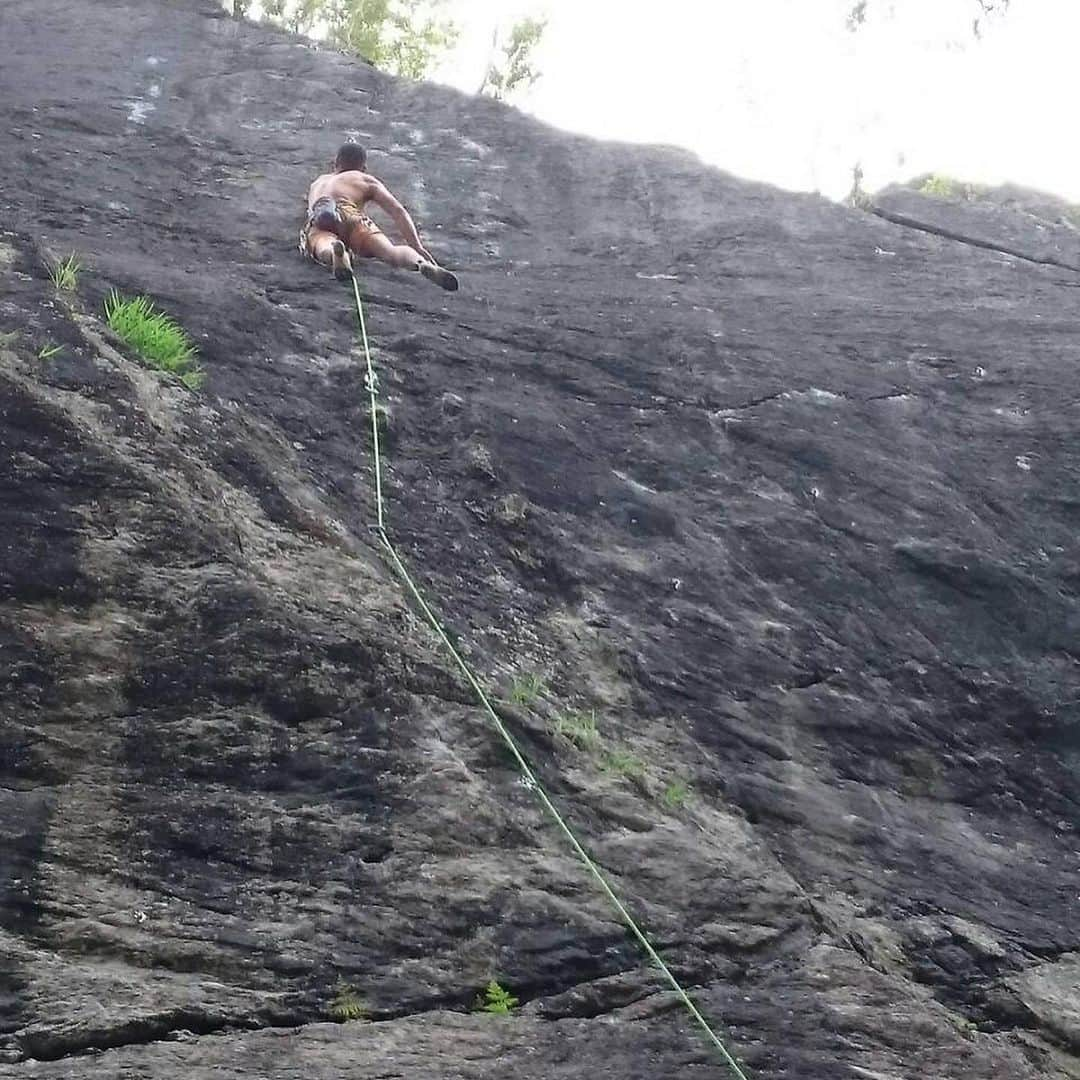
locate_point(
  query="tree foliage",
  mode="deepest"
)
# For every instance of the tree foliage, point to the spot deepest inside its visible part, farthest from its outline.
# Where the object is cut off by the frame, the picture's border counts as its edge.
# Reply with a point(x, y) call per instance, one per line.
point(514, 71)
point(405, 37)
point(980, 11)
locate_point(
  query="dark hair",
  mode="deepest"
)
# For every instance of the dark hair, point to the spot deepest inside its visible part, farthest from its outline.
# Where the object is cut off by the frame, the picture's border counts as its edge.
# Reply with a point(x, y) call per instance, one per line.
point(350, 156)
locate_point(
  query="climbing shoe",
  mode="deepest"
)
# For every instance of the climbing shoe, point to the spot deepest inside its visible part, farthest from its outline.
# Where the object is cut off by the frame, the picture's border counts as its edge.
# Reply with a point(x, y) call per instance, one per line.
point(342, 262)
point(440, 276)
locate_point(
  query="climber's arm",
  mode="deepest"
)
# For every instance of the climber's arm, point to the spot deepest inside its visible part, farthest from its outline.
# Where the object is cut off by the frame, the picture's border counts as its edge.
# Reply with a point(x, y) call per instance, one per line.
point(382, 197)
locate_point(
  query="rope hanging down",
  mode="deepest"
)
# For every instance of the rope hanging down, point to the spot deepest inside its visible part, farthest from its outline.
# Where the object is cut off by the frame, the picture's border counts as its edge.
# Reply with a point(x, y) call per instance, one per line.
point(531, 779)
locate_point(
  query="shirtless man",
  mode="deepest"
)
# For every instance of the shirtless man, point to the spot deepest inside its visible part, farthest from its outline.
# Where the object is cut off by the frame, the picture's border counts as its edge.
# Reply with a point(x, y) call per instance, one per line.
point(337, 226)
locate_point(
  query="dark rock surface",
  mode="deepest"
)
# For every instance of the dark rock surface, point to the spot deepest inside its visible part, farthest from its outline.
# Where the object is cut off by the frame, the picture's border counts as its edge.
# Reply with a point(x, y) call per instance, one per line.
point(786, 493)
point(1032, 224)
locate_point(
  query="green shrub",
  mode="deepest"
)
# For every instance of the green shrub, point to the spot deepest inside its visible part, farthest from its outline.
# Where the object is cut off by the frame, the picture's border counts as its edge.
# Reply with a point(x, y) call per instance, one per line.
point(495, 999)
point(947, 187)
point(159, 340)
point(941, 187)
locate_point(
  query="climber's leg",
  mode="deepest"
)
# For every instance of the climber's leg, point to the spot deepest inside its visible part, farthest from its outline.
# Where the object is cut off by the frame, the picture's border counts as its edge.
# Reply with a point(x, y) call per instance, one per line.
point(378, 245)
point(326, 248)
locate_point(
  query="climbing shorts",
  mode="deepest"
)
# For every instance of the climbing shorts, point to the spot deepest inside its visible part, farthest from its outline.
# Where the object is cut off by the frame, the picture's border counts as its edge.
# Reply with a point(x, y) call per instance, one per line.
point(342, 217)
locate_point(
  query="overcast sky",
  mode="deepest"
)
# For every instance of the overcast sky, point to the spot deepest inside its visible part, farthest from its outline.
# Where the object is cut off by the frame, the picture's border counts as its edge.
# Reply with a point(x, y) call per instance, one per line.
point(779, 90)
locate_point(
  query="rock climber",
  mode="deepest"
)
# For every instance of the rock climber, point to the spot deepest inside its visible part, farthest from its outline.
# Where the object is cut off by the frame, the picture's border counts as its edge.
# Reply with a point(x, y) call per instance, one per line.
point(337, 227)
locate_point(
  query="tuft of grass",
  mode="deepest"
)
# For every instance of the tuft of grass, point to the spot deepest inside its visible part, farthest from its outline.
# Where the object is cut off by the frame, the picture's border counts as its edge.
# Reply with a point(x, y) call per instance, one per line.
point(624, 763)
point(495, 999)
point(48, 351)
point(676, 794)
point(579, 729)
point(347, 1005)
point(65, 274)
point(159, 340)
point(526, 688)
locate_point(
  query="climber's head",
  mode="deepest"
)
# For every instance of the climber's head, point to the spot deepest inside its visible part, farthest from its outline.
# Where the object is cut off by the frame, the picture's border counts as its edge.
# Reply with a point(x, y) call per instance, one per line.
point(350, 156)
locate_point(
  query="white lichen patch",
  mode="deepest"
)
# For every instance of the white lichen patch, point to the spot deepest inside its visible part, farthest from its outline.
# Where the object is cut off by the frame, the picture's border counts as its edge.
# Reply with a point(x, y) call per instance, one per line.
point(139, 110)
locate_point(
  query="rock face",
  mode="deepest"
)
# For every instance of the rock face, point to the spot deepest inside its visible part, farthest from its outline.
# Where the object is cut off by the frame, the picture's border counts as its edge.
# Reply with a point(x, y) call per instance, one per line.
point(783, 494)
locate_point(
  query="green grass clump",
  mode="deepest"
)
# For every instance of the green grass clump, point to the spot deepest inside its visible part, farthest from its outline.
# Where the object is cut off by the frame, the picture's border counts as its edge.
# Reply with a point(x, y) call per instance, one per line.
point(625, 763)
point(579, 729)
point(159, 340)
point(676, 794)
point(65, 274)
point(347, 1005)
point(526, 689)
point(495, 999)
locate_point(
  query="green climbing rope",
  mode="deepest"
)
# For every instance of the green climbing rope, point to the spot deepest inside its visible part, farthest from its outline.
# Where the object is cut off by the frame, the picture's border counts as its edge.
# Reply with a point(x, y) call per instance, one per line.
point(532, 781)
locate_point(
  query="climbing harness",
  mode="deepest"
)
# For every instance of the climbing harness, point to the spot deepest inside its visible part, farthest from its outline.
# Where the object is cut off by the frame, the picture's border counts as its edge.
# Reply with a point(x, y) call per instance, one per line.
point(532, 782)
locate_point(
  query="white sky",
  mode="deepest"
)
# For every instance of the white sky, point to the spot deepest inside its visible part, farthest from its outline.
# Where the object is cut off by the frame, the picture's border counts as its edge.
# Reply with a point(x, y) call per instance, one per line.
point(779, 90)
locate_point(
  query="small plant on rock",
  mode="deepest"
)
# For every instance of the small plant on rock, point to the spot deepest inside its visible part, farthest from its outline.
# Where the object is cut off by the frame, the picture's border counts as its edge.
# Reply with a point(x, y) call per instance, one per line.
point(676, 794)
point(940, 187)
point(48, 351)
point(495, 999)
point(947, 187)
point(579, 729)
point(857, 197)
point(347, 1005)
point(159, 340)
point(625, 763)
point(65, 274)
point(526, 688)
